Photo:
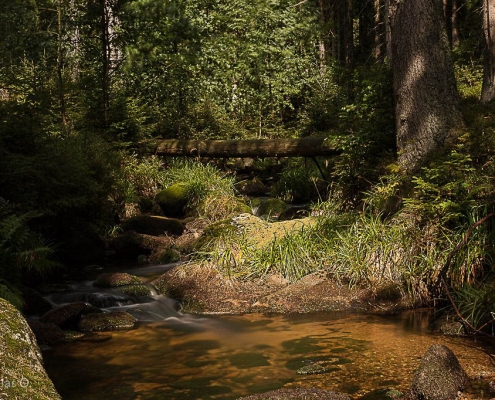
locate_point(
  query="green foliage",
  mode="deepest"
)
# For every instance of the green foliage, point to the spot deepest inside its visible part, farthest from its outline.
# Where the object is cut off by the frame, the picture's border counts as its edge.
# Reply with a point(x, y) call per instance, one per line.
point(22, 251)
point(365, 132)
point(139, 177)
point(297, 184)
point(11, 294)
point(231, 67)
point(447, 190)
point(476, 304)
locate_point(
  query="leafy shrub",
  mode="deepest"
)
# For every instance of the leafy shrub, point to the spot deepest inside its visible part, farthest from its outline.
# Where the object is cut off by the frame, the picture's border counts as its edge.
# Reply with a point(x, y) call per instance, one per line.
point(448, 189)
point(139, 177)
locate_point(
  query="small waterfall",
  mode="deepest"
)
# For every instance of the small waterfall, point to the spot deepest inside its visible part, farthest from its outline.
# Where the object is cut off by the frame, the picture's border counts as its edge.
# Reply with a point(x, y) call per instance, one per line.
point(151, 308)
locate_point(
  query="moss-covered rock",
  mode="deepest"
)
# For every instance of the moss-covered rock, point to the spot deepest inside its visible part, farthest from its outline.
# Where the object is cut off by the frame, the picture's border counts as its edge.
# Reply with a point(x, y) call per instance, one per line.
point(116, 279)
point(65, 316)
point(111, 321)
point(22, 375)
point(298, 394)
point(439, 376)
point(253, 187)
point(173, 200)
point(135, 290)
point(168, 256)
point(153, 225)
point(271, 208)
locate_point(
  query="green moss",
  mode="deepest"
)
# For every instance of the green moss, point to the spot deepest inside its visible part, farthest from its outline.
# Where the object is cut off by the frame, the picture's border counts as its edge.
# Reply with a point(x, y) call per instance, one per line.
point(23, 375)
point(112, 321)
point(169, 256)
point(115, 279)
point(135, 290)
point(173, 199)
point(272, 208)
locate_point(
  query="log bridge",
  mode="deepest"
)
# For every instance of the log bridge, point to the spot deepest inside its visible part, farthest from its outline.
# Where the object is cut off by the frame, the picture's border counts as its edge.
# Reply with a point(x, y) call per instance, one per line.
point(254, 148)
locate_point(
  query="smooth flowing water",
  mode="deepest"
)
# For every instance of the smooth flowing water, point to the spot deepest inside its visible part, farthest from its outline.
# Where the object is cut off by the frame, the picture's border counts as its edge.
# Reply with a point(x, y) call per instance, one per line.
point(175, 356)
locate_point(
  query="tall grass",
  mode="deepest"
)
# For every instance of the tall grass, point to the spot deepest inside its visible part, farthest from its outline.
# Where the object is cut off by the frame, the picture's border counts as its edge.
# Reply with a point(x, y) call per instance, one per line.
point(211, 193)
point(360, 250)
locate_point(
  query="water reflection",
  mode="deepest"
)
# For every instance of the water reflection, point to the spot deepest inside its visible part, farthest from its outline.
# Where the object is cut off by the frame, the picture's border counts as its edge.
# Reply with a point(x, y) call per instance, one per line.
point(225, 357)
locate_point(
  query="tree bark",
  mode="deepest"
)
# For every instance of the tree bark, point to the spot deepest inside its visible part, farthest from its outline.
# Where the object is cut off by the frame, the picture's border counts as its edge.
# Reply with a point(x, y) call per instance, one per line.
point(488, 88)
point(426, 99)
point(256, 148)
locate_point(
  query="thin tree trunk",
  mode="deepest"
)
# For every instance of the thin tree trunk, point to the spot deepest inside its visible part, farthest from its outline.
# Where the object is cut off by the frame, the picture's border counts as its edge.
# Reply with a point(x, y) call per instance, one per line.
point(60, 66)
point(456, 36)
point(379, 32)
point(105, 67)
point(427, 109)
point(488, 89)
point(388, 31)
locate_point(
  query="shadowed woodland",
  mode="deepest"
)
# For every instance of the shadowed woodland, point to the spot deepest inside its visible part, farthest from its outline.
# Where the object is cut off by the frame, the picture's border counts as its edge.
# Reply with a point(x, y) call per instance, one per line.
point(404, 90)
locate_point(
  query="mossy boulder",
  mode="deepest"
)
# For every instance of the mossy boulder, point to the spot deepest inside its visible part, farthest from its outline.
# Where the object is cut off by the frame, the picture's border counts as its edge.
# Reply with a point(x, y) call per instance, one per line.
point(168, 256)
point(439, 376)
point(23, 375)
point(65, 316)
point(271, 208)
point(116, 279)
point(298, 394)
point(153, 225)
point(173, 200)
point(135, 290)
point(111, 321)
point(253, 187)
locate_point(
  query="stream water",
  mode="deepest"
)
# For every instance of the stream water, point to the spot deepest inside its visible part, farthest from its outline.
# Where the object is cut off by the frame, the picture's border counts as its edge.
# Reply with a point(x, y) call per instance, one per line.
point(171, 355)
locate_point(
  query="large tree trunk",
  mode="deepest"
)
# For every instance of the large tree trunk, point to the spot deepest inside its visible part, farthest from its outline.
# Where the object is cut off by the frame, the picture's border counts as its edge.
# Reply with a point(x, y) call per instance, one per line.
point(427, 102)
point(488, 89)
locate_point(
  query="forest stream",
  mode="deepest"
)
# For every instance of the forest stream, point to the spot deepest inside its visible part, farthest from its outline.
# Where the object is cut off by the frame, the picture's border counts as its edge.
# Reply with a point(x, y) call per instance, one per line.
point(171, 355)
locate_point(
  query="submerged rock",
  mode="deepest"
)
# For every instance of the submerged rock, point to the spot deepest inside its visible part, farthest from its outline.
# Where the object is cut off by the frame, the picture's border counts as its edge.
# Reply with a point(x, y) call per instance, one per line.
point(298, 394)
point(111, 321)
point(439, 376)
point(116, 279)
point(22, 374)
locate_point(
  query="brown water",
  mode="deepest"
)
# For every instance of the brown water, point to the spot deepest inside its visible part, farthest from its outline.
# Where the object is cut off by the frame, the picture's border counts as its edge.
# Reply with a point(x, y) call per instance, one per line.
point(225, 357)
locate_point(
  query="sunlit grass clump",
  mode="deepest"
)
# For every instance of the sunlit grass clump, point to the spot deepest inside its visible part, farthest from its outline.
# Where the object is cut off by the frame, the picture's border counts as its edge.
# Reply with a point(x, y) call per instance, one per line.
point(362, 250)
point(210, 193)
